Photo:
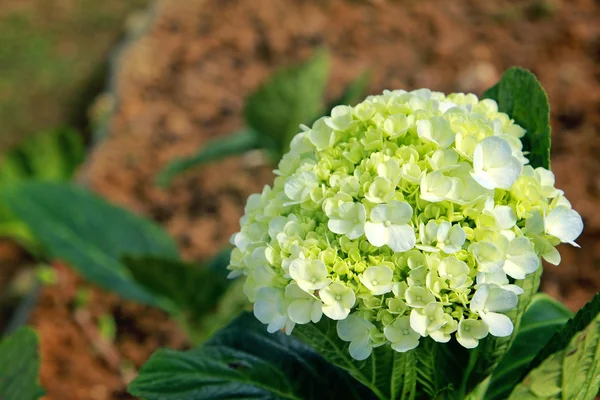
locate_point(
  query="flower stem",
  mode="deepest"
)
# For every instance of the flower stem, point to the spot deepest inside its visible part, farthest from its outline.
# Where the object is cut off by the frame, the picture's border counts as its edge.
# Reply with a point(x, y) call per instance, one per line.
point(473, 355)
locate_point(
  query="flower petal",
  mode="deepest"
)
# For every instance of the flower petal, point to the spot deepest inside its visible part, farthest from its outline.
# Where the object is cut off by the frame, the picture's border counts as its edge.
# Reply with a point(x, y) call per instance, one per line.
point(564, 224)
point(360, 349)
point(401, 238)
point(499, 324)
point(377, 233)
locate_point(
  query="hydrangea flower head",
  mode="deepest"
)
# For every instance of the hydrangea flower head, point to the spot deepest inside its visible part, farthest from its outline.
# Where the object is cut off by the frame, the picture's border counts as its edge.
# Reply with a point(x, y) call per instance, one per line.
point(410, 215)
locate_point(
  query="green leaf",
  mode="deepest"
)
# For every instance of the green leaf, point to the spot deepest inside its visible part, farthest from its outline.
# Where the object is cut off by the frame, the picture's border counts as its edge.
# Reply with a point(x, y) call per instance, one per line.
point(19, 366)
point(243, 361)
point(388, 373)
point(571, 372)
point(49, 156)
point(90, 234)
point(561, 338)
point(291, 97)
point(194, 289)
point(492, 349)
point(354, 92)
point(520, 95)
point(543, 318)
point(216, 149)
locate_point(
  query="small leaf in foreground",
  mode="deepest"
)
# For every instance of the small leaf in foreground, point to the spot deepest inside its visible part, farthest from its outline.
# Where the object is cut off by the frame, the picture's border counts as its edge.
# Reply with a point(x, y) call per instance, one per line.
point(520, 95)
point(292, 96)
point(90, 234)
point(19, 366)
point(215, 149)
point(244, 361)
point(543, 318)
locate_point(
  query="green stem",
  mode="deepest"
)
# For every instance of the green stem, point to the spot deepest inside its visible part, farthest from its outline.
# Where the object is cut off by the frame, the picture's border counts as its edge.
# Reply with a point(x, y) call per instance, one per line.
point(473, 354)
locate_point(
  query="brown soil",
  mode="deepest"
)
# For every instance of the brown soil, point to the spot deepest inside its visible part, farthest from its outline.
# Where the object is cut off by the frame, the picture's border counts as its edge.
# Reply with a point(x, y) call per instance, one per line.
point(78, 361)
point(183, 82)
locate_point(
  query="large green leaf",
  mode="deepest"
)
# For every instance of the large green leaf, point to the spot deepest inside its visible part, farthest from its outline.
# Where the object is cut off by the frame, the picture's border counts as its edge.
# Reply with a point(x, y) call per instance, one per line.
point(243, 361)
point(194, 289)
point(291, 97)
point(562, 337)
point(89, 233)
point(571, 372)
point(49, 156)
point(216, 149)
point(442, 369)
point(388, 373)
point(200, 294)
point(19, 366)
point(520, 95)
point(492, 349)
point(543, 318)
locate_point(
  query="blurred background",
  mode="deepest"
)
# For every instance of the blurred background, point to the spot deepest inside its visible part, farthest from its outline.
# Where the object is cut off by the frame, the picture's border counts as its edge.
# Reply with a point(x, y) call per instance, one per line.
point(143, 82)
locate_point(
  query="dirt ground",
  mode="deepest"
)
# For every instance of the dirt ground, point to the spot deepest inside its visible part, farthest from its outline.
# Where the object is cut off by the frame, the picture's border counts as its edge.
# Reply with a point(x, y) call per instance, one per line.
point(184, 81)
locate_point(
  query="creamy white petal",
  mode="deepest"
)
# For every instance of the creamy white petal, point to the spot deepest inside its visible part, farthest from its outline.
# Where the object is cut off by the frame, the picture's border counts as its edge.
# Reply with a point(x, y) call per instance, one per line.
point(499, 324)
point(419, 322)
point(564, 224)
point(377, 234)
point(401, 238)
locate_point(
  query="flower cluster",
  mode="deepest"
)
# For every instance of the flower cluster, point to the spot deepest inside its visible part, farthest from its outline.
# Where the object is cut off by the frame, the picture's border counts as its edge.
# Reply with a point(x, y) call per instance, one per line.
point(412, 214)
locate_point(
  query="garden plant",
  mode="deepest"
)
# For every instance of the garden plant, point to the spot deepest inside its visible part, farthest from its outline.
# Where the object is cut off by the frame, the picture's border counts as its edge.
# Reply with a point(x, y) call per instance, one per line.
point(397, 255)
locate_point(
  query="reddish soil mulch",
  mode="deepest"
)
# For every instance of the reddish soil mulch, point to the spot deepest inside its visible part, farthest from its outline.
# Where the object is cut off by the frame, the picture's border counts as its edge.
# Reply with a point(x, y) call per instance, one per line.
point(183, 82)
point(78, 363)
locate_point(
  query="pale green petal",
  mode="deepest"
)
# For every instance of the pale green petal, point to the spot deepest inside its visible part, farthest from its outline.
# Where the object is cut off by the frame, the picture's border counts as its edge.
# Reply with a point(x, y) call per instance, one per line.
point(360, 349)
point(353, 327)
point(500, 300)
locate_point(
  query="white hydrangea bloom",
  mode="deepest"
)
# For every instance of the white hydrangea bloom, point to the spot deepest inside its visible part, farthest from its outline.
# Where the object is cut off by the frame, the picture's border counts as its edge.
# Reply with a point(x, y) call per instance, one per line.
point(401, 335)
point(378, 279)
point(309, 274)
point(270, 308)
point(441, 236)
point(356, 330)
point(338, 299)
point(303, 307)
point(470, 332)
point(491, 300)
point(349, 220)
point(335, 237)
point(565, 224)
point(494, 165)
point(388, 225)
